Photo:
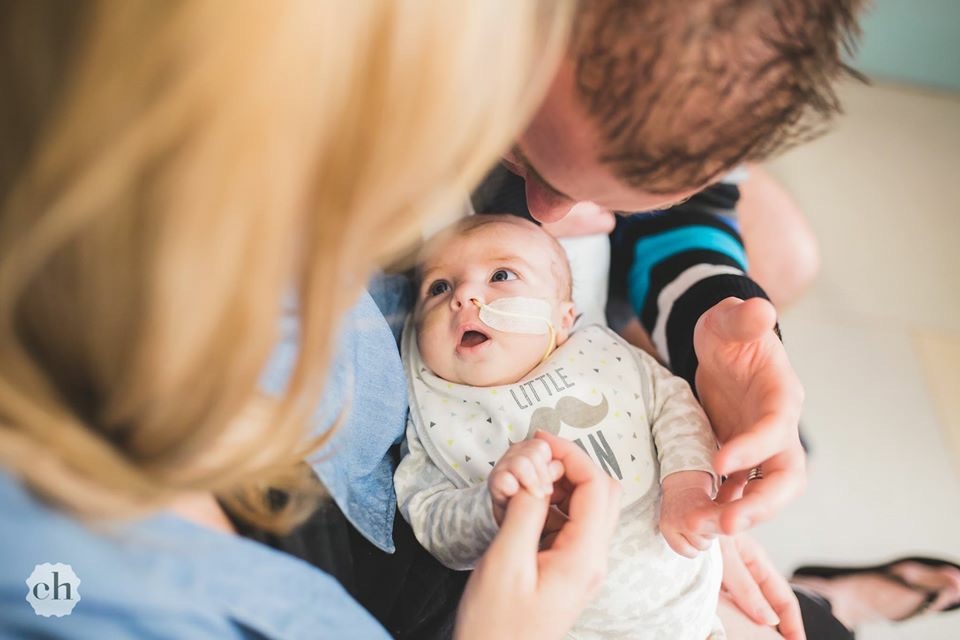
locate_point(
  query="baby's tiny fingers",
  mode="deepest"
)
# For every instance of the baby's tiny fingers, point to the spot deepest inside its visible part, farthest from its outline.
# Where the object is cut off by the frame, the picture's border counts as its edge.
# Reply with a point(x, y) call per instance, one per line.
point(544, 478)
point(538, 452)
point(679, 543)
point(525, 471)
point(700, 542)
point(555, 470)
point(503, 485)
point(704, 521)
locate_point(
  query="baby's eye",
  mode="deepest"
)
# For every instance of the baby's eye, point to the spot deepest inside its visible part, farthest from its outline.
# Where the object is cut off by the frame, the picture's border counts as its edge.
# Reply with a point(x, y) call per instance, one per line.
point(438, 287)
point(502, 275)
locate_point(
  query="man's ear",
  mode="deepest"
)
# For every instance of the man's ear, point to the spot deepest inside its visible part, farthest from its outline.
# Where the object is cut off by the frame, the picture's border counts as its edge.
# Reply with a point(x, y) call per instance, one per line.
point(567, 318)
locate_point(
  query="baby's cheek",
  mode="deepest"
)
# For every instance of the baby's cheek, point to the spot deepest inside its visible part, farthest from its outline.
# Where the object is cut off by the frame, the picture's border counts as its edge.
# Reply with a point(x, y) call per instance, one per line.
point(431, 349)
point(523, 352)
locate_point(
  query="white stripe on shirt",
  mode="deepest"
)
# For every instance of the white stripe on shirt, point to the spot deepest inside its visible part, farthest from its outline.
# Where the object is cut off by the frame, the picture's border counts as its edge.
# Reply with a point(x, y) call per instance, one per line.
point(670, 293)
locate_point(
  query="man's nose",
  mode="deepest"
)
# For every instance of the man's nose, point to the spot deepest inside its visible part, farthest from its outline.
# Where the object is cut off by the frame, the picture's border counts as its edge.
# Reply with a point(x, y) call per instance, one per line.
point(546, 206)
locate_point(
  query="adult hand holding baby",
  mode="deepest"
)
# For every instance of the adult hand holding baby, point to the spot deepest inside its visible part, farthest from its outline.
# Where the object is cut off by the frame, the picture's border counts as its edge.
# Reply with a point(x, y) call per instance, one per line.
point(526, 465)
point(753, 399)
point(519, 591)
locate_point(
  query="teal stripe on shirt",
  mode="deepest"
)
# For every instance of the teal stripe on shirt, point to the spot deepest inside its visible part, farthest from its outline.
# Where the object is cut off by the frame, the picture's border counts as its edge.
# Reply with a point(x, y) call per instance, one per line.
point(652, 250)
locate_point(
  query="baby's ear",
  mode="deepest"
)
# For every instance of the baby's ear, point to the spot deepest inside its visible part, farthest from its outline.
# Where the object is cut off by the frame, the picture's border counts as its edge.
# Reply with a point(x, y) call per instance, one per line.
point(567, 318)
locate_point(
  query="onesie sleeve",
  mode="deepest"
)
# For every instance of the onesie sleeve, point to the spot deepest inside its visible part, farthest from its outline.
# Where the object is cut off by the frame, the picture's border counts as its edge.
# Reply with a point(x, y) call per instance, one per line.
point(455, 525)
point(681, 431)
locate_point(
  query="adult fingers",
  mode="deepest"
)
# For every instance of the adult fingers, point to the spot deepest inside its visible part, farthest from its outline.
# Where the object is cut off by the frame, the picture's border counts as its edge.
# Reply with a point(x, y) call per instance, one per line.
point(573, 567)
point(768, 436)
point(742, 587)
point(555, 521)
point(782, 481)
point(514, 549)
point(791, 620)
point(593, 503)
point(732, 487)
point(736, 320)
point(775, 589)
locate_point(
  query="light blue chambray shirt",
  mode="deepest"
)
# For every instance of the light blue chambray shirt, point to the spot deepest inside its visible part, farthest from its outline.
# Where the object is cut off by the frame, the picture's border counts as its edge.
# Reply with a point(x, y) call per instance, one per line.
point(164, 577)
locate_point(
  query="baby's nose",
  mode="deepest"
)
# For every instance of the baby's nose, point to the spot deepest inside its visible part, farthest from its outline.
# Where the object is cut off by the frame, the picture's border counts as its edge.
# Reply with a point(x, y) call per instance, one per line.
point(465, 295)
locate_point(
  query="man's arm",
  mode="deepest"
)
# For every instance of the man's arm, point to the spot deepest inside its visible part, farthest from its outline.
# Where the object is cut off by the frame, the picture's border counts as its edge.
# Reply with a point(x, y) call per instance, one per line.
point(684, 273)
point(672, 266)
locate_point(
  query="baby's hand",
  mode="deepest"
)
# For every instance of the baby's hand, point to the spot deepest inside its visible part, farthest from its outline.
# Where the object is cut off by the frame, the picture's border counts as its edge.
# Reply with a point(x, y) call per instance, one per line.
point(689, 518)
point(526, 464)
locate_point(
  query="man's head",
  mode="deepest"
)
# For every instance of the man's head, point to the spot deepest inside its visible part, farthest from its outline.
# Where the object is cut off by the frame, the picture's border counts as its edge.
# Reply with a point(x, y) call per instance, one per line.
point(659, 98)
point(482, 259)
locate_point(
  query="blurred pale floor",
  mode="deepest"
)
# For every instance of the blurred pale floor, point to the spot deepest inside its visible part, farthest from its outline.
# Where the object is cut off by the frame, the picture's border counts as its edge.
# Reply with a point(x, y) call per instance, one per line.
point(877, 341)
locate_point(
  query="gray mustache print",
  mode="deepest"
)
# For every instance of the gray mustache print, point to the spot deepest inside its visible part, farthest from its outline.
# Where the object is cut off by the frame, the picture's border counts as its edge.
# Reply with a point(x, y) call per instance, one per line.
point(570, 411)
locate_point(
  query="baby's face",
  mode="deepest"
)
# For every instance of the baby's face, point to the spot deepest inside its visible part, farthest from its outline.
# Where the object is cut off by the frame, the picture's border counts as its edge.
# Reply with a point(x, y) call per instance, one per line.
point(496, 260)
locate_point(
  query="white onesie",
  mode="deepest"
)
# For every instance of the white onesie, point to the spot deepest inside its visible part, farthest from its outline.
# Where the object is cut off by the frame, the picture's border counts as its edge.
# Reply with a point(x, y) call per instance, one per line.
point(632, 417)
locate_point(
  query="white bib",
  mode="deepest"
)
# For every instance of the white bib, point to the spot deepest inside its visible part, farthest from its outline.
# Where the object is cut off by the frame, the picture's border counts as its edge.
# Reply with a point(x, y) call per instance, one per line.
point(588, 391)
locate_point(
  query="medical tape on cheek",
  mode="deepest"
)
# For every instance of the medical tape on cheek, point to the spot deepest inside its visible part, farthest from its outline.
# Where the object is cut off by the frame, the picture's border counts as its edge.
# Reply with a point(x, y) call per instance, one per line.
point(519, 315)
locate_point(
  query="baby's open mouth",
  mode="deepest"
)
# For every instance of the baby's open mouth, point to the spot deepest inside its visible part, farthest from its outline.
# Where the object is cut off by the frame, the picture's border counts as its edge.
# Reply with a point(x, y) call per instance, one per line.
point(472, 338)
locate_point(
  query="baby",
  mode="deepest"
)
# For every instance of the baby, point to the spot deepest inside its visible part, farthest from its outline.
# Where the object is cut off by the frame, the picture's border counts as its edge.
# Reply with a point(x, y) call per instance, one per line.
point(492, 358)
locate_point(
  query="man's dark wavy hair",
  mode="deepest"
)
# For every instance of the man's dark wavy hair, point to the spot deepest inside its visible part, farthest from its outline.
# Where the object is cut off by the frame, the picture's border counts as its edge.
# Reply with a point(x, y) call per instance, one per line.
point(682, 90)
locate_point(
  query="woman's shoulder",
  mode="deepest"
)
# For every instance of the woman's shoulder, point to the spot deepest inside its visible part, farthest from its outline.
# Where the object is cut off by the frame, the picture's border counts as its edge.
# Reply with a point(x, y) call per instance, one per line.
point(161, 576)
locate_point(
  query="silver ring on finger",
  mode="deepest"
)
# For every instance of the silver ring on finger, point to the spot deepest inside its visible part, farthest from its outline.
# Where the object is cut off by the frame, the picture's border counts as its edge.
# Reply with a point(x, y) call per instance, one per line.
point(755, 474)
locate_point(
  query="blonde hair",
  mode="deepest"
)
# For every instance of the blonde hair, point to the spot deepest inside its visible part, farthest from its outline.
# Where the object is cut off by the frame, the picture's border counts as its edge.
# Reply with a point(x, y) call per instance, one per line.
point(172, 171)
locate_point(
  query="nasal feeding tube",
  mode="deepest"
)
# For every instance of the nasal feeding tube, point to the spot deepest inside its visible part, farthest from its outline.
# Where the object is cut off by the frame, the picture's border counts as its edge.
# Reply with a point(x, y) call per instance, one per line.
point(519, 315)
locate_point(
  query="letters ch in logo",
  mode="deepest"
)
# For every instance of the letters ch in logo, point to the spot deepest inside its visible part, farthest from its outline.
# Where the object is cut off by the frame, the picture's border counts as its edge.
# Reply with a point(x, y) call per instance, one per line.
point(53, 589)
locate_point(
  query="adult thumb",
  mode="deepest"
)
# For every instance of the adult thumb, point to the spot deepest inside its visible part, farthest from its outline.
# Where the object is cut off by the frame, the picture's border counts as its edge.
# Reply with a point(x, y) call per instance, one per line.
point(738, 320)
point(518, 541)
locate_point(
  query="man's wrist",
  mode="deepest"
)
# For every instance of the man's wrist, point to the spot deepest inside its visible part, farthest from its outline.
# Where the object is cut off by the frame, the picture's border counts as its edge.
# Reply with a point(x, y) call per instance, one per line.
point(690, 308)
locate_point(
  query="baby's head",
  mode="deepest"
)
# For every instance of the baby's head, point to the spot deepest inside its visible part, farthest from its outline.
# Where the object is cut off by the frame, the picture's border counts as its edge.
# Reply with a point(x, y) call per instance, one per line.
point(474, 262)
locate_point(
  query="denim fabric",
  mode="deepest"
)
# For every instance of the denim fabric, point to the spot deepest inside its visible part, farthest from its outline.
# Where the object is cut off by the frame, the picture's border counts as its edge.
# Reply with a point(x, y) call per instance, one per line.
point(163, 577)
point(394, 296)
point(367, 386)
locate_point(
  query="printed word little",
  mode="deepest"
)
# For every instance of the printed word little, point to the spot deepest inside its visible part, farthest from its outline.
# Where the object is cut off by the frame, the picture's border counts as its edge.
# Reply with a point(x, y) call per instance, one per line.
point(527, 394)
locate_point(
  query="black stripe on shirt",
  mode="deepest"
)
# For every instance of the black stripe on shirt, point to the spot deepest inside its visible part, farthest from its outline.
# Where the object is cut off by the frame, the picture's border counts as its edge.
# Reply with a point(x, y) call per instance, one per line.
point(665, 272)
point(688, 308)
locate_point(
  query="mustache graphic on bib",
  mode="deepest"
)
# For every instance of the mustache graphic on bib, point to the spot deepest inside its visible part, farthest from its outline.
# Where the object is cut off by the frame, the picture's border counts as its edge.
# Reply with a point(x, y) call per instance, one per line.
point(588, 390)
